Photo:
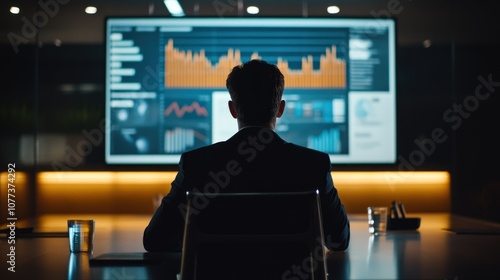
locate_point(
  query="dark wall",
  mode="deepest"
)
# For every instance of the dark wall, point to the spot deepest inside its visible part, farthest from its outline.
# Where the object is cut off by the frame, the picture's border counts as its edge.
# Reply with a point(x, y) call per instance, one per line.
point(476, 181)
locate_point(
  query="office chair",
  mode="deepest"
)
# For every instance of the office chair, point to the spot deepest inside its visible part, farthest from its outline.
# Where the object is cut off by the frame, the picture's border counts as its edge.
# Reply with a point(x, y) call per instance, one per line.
point(253, 236)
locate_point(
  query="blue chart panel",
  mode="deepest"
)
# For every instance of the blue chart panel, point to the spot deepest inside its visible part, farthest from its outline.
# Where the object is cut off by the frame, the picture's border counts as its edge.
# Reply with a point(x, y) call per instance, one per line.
point(187, 123)
point(327, 141)
point(309, 111)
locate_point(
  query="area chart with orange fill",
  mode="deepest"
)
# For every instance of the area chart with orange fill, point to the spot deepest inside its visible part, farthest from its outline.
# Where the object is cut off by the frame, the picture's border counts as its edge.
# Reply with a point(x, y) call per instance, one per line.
point(187, 69)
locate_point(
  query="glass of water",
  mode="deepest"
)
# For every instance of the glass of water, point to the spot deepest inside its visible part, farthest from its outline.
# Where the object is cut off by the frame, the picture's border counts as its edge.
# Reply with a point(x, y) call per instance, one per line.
point(81, 235)
point(377, 220)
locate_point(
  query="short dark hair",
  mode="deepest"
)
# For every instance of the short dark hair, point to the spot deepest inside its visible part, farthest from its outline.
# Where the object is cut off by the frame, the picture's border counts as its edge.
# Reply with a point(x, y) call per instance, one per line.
point(256, 88)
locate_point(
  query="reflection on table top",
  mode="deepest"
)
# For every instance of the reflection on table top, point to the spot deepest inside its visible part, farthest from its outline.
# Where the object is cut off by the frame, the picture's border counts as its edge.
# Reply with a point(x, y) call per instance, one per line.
point(428, 253)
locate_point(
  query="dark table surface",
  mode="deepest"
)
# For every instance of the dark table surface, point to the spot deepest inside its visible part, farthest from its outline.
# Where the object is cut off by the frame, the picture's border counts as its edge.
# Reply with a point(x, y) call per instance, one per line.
point(444, 247)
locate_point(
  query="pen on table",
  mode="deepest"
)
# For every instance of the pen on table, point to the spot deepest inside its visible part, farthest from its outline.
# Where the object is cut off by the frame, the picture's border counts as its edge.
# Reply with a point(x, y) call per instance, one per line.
point(395, 209)
point(402, 210)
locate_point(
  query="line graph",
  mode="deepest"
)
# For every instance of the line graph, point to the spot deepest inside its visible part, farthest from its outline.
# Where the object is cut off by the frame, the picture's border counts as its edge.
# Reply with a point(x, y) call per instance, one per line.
point(180, 111)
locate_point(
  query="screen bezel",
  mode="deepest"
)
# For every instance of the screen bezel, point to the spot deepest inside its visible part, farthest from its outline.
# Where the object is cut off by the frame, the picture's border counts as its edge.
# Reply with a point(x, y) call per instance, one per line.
point(160, 159)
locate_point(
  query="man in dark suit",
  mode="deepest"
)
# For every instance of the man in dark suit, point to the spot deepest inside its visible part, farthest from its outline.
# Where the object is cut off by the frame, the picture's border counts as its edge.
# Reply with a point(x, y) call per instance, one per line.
point(255, 159)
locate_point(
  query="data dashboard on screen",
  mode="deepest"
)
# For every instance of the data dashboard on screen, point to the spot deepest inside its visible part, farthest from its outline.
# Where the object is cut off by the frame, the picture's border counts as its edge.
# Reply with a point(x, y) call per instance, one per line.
point(166, 94)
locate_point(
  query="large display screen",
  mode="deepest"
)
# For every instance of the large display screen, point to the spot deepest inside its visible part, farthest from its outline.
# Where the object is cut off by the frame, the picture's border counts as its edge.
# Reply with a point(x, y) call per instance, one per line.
point(166, 94)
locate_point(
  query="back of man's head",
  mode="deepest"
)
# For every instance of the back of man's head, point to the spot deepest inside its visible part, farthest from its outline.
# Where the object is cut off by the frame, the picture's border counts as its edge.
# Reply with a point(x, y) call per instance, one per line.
point(256, 88)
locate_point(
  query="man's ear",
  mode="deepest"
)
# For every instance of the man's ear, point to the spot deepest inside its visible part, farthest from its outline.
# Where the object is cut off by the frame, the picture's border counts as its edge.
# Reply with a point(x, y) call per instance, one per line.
point(281, 108)
point(230, 104)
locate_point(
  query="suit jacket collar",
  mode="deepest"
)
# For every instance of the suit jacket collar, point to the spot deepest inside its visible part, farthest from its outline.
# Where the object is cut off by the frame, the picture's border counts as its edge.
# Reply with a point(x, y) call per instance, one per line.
point(262, 133)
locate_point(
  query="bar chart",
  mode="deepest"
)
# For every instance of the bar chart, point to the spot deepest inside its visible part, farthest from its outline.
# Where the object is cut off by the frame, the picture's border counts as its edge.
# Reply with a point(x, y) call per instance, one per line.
point(188, 69)
point(328, 141)
point(180, 139)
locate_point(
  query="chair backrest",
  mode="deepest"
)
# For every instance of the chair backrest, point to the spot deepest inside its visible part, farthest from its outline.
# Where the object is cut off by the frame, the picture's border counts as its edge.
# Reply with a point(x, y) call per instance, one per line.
point(253, 236)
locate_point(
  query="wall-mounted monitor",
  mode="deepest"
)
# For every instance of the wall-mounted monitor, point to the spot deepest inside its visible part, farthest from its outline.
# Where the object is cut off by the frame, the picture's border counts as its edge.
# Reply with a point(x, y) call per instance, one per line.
point(165, 84)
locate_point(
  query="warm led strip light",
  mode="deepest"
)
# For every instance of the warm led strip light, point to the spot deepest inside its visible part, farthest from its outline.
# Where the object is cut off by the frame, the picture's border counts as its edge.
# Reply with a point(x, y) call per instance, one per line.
point(339, 177)
point(104, 177)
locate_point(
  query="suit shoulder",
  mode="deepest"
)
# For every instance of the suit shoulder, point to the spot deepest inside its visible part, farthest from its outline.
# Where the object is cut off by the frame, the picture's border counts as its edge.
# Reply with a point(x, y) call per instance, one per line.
point(307, 152)
point(212, 148)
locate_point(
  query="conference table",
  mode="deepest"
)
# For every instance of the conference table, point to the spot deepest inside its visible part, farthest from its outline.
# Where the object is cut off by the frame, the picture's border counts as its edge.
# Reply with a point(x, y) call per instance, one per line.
point(445, 246)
